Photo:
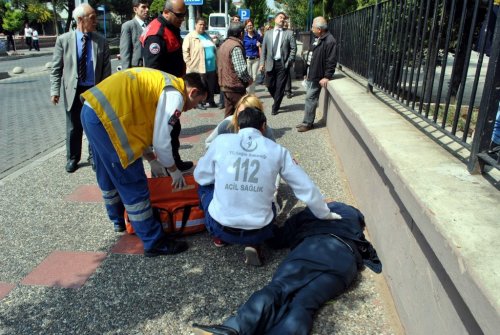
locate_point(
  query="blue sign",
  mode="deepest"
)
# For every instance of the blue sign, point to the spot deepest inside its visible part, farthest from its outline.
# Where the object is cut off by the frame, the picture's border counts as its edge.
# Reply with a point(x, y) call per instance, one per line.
point(193, 2)
point(244, 14)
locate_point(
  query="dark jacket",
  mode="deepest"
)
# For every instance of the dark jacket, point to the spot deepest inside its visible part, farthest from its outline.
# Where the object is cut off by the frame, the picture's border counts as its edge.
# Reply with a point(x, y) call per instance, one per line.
point(349, 229)
point(162, 47)
point(324, 58)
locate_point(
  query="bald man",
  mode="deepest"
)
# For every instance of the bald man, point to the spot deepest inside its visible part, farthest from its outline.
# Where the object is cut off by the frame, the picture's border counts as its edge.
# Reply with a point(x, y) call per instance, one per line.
point(321, 70)
point(161, 41)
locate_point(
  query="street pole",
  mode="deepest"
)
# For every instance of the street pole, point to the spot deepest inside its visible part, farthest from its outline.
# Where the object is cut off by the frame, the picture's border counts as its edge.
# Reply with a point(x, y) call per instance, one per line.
point(191, 18)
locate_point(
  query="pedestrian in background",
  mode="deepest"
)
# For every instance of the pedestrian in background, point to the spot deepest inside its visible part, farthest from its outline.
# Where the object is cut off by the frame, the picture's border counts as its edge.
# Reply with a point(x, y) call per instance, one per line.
point(232, 68)
point(28, 35)
point(278, 54)
point(35, 37)
point(80, 61)
point(288, 87)
point(130, 45)
point(252, 41)
point(199, 53)
point(320, 72)
point(10, 41)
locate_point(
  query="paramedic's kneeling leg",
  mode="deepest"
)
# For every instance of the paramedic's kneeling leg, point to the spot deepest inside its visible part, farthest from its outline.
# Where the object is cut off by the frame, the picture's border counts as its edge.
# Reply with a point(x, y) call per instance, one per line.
point(120, 117)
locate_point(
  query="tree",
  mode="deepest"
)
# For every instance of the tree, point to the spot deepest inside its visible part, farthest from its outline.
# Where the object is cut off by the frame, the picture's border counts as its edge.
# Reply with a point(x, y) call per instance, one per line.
point(258, 11)
point(39, 13)
point(13, 19)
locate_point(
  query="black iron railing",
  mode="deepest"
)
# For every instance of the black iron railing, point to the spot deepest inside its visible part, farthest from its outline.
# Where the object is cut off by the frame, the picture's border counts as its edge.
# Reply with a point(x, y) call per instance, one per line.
point(439, 59)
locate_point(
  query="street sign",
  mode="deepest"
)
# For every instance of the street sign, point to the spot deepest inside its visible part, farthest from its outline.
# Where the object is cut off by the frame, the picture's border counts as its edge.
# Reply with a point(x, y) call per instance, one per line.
point(244, 14)
point(193, 2)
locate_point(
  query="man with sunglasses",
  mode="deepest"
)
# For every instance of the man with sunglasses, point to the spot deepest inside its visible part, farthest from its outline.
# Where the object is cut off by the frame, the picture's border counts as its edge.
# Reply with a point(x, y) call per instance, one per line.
point(161, 41)
point(162, 50)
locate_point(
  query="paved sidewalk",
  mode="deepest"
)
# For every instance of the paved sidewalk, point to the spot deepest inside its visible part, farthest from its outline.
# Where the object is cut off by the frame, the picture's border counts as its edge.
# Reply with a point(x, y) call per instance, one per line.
point(64, 270)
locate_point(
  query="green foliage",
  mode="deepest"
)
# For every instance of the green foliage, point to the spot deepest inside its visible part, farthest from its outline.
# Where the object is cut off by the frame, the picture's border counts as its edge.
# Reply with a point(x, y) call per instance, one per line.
point(13, 19)
point(156, 7)
point(38, 12)
point(258, 11)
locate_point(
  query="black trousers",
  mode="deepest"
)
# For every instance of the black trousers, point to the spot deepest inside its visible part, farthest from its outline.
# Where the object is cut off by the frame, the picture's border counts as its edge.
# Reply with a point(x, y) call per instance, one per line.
point(276, 83)
point(74, 129)
point(210, 79)
point(318, 269)
point(174, 140)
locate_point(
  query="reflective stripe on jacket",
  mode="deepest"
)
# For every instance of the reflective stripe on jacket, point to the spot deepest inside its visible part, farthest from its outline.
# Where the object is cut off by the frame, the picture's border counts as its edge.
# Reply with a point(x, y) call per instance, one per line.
point(126, 105)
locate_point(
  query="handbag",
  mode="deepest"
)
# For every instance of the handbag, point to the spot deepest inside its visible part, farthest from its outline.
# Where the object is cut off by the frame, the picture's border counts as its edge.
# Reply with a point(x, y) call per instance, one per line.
point(178, 210)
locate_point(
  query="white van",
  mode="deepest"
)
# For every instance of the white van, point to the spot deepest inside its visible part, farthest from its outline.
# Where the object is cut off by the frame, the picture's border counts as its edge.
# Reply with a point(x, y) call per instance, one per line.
point(218, 22)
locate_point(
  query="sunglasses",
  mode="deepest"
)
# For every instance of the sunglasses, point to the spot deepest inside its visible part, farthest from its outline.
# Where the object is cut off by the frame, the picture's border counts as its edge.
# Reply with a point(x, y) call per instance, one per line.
point(178, 15)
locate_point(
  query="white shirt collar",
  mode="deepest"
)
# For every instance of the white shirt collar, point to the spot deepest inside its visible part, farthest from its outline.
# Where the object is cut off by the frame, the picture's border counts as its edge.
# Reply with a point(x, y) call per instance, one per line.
point(140, 21)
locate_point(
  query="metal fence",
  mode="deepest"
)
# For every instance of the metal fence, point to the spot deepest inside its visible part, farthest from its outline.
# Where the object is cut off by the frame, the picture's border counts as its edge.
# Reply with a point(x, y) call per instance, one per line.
point(436, 58)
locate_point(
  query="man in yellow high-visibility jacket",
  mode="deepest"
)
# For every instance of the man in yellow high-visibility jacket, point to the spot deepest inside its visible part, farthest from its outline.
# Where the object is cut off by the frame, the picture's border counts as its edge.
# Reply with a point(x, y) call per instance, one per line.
point(123, 117)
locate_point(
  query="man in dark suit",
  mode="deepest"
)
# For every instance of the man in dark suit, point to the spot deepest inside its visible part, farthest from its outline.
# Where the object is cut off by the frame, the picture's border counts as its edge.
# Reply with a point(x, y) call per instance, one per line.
point(80, 61)
point(324, 260)
point(130, 46)
point(278, 54)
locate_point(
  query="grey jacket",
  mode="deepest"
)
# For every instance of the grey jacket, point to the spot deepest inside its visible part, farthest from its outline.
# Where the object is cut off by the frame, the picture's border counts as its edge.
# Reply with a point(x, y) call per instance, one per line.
point(65, 65)
point(288, 49)
point(130, 46)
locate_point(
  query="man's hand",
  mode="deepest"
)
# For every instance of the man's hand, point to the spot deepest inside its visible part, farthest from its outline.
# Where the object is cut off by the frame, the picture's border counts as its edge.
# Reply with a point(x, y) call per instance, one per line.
point(157, 170)
point(332, 216)
point(54, 99)
point(261, 68)
point(324, 82)
point(177, 178)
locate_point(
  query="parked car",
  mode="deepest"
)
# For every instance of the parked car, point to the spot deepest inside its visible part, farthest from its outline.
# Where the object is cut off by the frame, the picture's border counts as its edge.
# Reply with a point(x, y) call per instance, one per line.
point(215, 36)
point(184, 33)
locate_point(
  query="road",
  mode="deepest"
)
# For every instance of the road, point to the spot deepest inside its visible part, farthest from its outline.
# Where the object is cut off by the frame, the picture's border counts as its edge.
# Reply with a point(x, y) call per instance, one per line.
point(30, 126)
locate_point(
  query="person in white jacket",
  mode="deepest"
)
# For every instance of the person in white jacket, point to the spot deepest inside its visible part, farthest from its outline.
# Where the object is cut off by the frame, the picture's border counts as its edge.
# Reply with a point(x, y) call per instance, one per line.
point(237, 184)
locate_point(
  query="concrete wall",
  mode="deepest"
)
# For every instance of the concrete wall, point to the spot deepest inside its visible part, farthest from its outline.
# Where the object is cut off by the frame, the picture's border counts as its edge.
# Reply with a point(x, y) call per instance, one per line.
point(435, 227)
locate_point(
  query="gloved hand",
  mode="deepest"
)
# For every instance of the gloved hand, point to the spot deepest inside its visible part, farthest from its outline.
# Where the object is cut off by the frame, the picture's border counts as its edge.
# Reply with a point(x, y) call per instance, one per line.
point(177, 179)
point(157, 170)
point(332, 216)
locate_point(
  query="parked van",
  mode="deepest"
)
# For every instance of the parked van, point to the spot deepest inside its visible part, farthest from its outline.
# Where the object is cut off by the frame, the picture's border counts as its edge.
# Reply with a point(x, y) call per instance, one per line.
point(219, 22)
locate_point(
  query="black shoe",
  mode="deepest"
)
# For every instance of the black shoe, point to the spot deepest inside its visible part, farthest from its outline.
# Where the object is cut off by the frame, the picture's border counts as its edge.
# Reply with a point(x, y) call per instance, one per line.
point(274, 112)
point(202, 107)
point(221, 106)
point(119, 227)
point(215, 329)
point(212, 105)
point(166, 247)
point(91, 163)
point(71, 166)
point(184, 165)
point(289, 95)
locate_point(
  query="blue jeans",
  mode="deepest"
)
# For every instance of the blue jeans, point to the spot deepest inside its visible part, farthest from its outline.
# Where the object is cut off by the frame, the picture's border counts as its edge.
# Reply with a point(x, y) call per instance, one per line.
point(121, 188)
point(244, 237)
